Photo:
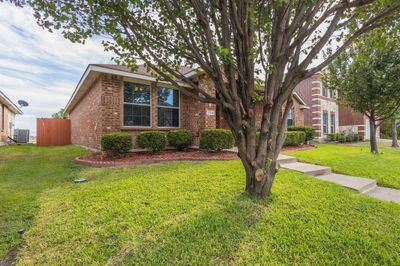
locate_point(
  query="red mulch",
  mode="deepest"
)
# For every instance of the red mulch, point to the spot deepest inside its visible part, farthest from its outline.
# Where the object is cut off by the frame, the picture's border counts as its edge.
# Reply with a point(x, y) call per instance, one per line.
point(144, 157)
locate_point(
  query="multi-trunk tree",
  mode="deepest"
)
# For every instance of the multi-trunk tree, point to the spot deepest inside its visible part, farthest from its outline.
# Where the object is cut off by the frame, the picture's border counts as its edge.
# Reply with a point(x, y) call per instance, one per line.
point(367, 77)
point(237, 43)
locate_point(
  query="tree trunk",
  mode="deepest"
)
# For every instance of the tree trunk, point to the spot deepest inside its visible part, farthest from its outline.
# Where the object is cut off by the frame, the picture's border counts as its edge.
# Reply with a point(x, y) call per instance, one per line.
point(259, 180)
point(372, 138)
point(395, 144)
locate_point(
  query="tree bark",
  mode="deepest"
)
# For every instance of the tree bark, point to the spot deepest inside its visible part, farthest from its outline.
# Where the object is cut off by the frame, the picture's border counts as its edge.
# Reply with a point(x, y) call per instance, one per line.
point(395, 122)
point(372, 138)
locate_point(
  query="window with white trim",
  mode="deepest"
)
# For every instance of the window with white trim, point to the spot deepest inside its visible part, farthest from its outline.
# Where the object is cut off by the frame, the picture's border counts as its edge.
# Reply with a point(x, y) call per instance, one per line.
point(325, 122)
point(290, 117)
point(137, 105)
point(168, 107)
point(333, 122)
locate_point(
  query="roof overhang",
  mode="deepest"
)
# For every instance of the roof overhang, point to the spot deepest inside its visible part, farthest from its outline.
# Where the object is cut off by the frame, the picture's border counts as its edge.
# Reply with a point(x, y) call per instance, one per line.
point(303, 104)
point(92, 72)
point(9, 104)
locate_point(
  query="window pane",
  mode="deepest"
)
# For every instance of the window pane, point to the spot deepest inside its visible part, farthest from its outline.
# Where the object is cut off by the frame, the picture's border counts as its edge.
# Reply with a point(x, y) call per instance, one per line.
point(136, 93)
point(325, 122)
point(136, 115)
point(167, 97)
point(168, 117)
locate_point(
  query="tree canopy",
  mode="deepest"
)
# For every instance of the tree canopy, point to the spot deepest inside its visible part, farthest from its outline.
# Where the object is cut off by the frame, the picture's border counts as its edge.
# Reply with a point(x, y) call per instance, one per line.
point(238, 44)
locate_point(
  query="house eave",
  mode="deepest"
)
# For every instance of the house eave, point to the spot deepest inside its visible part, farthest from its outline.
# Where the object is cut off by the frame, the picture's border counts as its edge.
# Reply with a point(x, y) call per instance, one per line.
point(9, 104)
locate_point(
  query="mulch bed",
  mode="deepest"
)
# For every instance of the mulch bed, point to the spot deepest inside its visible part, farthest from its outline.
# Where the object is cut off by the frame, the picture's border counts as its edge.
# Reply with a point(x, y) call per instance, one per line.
point(145, 157)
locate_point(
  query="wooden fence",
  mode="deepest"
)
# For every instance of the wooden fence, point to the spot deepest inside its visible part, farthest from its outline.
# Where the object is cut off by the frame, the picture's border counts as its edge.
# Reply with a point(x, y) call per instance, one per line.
point(53, 132)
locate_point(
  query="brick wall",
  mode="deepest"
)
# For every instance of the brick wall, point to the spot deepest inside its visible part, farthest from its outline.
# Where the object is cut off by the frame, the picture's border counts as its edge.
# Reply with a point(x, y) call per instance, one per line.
point(101, 111)
point(4, 123)
point(86, 118)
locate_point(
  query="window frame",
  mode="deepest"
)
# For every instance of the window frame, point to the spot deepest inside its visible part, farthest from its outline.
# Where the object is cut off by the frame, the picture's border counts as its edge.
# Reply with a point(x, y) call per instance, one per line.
point(323, 89)
point(332, 122)
point(137, 104)
point(325, 126)
point(293, 117)
point(171, 107)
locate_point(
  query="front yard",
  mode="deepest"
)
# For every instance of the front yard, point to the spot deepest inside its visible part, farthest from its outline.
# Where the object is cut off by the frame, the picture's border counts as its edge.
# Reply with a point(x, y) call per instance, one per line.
point(183, 213)
point(357, 160)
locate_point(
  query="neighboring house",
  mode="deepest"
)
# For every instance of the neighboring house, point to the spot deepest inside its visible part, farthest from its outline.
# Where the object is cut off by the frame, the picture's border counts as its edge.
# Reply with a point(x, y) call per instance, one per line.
point(8, 110)
point(324, 112)
point(353, 122)
point(110, 98)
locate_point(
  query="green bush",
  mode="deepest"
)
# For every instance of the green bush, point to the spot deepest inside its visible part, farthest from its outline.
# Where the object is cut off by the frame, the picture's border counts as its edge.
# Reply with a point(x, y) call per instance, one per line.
point(116, 144)
point(309, 131)
point(360, 137)
point(356, 137)
point(180, 138)
point(152, 140)
point(294, 138)
point(216, 139)
point(349, 138)
point(341, 138)
point(333, 136)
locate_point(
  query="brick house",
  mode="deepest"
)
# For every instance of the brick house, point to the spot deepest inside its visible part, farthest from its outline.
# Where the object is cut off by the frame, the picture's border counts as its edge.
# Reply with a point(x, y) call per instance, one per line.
point(8, 111)
point(110, 98)
point(326, 115)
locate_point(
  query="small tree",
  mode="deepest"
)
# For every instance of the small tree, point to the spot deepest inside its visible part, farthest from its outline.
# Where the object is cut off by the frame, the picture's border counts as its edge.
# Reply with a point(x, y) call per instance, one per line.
point(236, 43)
point(60, 114)
point(394, 124)
point(367, 77)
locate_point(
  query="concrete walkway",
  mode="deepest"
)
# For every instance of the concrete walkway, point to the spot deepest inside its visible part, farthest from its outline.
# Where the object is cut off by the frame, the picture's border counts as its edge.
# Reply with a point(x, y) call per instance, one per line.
point(363, 185)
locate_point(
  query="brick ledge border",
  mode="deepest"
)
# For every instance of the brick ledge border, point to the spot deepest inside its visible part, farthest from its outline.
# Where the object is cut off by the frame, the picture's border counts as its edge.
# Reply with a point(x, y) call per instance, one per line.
point(100, 164)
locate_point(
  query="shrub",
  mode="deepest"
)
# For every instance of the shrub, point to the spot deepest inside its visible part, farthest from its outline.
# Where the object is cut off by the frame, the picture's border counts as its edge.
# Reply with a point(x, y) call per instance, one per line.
point(356, 137)
point(152, 140)
point(180, 138)
point(349, 138)
point(360, 137)
point(116, 144)
point(294, 138)
point(309, 131)
point(333, 136)
point(341, 138)
point(216, 139)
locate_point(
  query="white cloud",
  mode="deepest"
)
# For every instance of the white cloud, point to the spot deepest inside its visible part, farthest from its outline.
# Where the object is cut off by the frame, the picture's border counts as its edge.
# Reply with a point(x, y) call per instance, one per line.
point(40, 67)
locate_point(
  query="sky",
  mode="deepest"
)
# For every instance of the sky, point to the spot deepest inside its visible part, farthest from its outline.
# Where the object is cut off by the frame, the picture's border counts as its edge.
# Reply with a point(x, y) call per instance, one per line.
point(40, 67)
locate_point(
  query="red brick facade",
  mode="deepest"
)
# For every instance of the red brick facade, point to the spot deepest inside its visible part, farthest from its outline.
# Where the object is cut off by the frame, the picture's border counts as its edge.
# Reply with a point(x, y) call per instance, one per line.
point(100, 112)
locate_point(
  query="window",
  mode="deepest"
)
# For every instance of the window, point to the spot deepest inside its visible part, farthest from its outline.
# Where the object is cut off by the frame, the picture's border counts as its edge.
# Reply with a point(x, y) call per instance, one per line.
point(168, 107)
point(333, 122)
point(290, 117)
point(325, 122)
point(136, 105)
point(325, 92)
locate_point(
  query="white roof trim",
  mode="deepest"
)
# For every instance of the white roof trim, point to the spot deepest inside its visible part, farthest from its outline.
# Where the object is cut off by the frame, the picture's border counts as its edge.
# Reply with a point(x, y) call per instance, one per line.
point(106, 70)
point(10, 105)
point(303, 105)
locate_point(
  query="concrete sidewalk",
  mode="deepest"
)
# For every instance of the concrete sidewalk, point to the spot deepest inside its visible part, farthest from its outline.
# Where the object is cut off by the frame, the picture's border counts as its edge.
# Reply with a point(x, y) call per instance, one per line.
point(363, 185)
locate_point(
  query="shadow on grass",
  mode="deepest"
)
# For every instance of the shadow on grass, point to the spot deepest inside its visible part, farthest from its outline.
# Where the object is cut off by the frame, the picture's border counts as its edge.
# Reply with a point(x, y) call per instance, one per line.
point(211, 236)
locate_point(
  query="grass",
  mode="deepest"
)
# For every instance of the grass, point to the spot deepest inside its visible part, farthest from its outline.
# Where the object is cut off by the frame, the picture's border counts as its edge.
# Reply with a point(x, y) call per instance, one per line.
point(357, 161)
point(26, 172)
point(193, 213)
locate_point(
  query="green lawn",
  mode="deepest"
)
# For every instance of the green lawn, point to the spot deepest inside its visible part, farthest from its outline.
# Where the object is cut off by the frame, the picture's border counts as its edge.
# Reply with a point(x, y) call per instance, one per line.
point(357, 161)
point(184, 213)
